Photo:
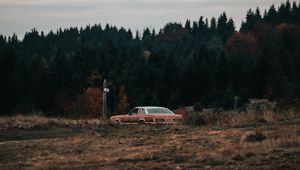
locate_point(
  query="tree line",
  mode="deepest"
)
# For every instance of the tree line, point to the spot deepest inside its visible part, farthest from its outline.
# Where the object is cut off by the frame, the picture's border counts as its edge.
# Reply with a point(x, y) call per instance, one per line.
point(207, 62)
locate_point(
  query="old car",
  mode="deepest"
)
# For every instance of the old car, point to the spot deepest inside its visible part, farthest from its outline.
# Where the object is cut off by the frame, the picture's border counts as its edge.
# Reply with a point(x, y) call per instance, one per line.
point(147, 115)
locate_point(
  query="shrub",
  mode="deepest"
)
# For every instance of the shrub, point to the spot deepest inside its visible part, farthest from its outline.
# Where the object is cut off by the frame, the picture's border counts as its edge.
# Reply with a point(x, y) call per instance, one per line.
point(194, 118)
point(201, 118)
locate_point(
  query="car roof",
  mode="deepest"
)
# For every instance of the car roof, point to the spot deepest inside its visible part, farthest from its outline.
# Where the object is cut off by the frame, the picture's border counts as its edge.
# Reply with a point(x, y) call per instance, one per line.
point(150, 107)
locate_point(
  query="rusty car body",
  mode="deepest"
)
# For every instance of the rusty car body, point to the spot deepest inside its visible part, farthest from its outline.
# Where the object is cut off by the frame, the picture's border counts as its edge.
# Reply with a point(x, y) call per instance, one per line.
point(148, 115)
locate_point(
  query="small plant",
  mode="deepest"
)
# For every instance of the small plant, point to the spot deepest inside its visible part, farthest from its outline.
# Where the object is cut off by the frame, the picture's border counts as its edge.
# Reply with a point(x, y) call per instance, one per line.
point(257, 137)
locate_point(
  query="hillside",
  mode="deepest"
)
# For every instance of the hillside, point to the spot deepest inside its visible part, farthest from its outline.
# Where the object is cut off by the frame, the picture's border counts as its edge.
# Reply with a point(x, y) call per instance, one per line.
point(206, 61)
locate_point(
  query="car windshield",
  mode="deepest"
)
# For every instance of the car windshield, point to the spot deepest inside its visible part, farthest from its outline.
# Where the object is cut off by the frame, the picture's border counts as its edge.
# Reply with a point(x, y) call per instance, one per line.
point(133, 111)
point(159, 111)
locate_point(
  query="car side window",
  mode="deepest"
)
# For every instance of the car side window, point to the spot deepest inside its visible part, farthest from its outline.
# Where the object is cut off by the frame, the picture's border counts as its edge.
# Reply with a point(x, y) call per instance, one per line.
point(134, 111)
point(142, 112)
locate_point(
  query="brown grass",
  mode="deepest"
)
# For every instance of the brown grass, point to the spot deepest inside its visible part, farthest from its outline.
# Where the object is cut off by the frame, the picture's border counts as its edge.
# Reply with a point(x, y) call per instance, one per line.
point(263, 117)
point(38, 120)
point(210, 118)
point(102, 146)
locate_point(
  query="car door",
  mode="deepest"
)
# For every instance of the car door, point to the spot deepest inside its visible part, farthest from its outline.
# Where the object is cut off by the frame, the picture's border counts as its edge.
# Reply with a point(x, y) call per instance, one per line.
point(133, 116)
point(140, 116)
point(125, 119)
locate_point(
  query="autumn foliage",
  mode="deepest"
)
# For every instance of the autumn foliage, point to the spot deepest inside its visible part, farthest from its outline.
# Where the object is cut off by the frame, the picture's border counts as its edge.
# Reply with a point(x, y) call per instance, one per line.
point(123, 100)
point(91, 101)
point(89, 104)
point(241, 42)
point(64, 105)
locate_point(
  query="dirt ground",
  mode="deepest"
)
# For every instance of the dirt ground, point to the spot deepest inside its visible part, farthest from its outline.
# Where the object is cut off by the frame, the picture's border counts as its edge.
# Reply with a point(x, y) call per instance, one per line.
point(106, 146)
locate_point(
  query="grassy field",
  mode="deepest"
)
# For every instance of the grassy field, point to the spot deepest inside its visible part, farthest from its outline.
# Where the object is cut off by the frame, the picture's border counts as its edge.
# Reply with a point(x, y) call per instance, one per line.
point(35, 142)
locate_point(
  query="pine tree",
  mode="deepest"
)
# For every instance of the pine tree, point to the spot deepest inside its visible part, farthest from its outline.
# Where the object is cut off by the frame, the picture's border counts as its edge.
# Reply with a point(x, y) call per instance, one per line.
point(188, 25)
point(147, 39)
point(213, 24)
point(60, 69)
point(8, 64)
point(39, 84)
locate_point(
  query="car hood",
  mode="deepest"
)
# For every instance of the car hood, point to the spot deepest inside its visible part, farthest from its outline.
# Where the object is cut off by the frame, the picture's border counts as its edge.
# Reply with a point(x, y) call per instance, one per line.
point(118, 116)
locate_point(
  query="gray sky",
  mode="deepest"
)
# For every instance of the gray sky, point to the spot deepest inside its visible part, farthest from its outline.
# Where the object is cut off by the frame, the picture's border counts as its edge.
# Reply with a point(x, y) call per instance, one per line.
point(19, 16)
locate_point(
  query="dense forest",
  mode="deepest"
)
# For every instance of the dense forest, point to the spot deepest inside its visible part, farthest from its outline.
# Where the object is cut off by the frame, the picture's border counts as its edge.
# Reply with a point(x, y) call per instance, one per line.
point(207, 62)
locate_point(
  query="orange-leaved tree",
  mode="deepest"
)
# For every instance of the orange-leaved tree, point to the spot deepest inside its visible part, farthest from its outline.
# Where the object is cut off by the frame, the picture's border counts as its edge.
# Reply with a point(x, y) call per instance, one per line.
point(241, 42)
point(91, 101)
point(64, 105)
point(123, 100)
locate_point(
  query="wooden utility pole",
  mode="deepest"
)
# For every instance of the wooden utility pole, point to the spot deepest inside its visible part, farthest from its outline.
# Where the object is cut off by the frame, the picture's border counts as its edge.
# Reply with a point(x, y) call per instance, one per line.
point(236, 100)
point(105, 90)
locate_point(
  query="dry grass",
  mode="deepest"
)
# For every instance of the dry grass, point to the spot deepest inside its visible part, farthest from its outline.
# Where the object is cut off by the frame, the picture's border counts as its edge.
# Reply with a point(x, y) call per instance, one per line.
point(38, 120)
point(263, 117)
point(210, 118)
point(103, 146)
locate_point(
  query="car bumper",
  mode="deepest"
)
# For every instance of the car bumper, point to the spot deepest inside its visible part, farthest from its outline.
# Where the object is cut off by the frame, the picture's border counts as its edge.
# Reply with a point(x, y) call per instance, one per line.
point(149, 123)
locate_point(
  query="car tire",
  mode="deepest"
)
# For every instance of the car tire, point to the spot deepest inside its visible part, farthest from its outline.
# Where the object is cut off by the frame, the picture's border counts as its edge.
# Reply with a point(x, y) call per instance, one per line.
point(142, 122)
point(118, 122)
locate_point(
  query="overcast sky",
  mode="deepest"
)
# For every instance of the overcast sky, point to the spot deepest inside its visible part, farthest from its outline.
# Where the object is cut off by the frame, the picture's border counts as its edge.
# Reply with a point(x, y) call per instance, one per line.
point(19, 16)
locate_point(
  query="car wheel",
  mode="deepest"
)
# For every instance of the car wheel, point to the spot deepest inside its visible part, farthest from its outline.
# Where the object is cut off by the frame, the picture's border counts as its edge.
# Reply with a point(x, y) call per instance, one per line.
point(118, 122)
point(142, 122)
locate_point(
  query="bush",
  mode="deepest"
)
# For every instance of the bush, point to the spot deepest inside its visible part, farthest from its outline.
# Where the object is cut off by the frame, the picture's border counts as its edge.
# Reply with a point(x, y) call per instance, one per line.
point(201, 118)
point(194, 118)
